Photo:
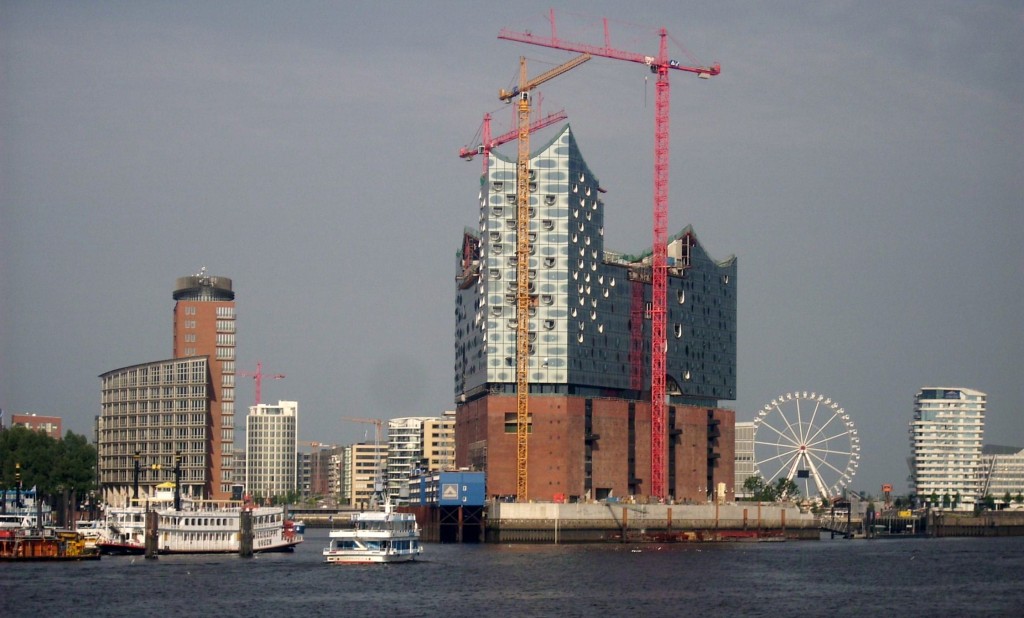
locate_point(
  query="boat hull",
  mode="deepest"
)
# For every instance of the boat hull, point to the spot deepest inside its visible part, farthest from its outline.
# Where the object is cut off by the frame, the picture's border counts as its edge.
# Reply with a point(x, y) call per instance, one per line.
point(120, 549)
point(367, 557)
point(285, 547)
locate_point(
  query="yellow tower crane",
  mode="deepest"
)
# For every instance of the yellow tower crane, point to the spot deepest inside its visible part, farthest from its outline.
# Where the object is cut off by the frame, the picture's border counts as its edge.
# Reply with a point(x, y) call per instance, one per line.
point(524, 300)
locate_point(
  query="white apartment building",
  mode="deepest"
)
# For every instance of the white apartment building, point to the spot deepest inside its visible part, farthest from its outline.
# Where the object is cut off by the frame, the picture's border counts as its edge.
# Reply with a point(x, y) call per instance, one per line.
point(745, 467)
point(946, 436)
point(418, 443)
point(271, 449)
point(405, 450)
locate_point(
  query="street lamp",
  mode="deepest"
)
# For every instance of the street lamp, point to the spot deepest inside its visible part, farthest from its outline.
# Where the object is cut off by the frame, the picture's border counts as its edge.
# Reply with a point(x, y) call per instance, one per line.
point(17, 485)
point(135, 477)
point(177, 480)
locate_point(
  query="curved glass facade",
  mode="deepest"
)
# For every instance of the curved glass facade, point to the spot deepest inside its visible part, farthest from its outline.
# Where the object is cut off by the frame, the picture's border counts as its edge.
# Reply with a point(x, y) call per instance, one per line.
point(584, 320)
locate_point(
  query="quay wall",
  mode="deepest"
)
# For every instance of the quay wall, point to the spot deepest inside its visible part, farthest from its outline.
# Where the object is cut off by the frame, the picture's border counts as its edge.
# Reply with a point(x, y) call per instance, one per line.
point(990, 523)
point(510, 522)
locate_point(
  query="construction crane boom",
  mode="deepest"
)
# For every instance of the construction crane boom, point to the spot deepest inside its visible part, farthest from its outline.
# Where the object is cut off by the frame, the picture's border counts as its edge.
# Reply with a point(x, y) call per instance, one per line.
point(488, 143)
point(606, 51)
point(523, 296)
point(507, 95)
point(258, 376)
point(660, 64)
point(315, 444)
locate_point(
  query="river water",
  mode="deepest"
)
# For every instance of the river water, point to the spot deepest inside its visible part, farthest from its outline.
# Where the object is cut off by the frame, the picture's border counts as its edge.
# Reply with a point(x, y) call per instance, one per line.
point(882, 577)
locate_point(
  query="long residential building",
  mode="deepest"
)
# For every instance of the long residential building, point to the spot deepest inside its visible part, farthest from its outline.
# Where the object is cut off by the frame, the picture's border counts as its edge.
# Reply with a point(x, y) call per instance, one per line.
point(589, 366)
point(946, 436)
point(50, 425)
point(148, 414)
point(1003, 472)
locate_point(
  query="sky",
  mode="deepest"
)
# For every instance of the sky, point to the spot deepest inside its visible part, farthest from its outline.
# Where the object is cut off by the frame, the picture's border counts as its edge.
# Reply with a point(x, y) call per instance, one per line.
point(863, 160)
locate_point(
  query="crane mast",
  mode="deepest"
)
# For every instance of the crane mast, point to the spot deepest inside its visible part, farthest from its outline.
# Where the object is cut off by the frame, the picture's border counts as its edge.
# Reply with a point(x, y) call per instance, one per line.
point(524, 299)
point(660, 65)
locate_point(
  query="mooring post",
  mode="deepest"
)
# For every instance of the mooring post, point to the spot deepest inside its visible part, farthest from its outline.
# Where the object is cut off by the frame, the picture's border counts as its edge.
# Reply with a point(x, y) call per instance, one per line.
point(245, 534)
point(152, 534)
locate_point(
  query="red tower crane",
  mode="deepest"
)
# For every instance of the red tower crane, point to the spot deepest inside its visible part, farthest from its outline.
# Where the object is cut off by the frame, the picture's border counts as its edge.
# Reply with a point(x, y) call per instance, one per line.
point(660, 65)
point(258, 376)
point(487, 143)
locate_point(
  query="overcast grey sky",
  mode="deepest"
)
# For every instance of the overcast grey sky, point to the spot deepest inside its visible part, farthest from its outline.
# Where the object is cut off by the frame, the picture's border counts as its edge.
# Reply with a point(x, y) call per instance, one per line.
point(864, 161)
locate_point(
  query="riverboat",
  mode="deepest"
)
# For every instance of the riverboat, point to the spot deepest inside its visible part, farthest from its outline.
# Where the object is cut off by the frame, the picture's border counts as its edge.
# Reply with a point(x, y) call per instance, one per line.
point(215, 528)
point(374, 537)
point(123, 532)
point(45, 544)
point(197, 527)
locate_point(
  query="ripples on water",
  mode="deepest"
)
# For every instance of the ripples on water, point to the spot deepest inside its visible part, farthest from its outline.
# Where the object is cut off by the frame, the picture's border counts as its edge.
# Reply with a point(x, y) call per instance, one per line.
point(909, 577)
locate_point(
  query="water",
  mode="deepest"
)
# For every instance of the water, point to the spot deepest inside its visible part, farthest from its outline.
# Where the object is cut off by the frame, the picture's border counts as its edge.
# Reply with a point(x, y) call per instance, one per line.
point(900, 577)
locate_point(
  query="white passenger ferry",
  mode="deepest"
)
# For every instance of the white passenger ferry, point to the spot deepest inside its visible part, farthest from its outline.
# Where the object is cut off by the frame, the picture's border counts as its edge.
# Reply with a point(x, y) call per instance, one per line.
point(376, 536)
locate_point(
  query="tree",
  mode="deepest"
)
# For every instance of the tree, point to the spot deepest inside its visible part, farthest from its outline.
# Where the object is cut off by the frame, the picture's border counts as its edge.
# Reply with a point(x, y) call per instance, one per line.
point(754, 485)
point(1006, 499)
point(56, 468)
point(74, 473)
point(1020, 498)
point(785, 489)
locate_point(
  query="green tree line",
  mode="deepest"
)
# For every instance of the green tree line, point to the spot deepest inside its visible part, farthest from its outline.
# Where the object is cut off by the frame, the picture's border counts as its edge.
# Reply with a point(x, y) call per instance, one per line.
point(762, 491)
point(60, 470)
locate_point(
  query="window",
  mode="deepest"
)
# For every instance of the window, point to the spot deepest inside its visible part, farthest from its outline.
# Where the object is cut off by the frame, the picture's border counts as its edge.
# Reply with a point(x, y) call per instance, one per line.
point(512, 422)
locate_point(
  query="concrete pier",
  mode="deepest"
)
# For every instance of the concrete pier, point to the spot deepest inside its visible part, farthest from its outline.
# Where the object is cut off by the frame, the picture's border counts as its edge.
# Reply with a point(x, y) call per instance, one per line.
point(509, 522)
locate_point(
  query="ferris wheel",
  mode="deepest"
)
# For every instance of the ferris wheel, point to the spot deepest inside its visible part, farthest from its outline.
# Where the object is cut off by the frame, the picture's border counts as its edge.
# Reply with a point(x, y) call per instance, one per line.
point(806, 437)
